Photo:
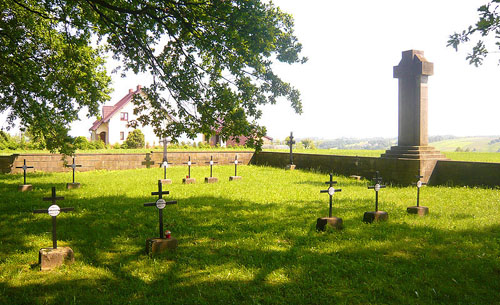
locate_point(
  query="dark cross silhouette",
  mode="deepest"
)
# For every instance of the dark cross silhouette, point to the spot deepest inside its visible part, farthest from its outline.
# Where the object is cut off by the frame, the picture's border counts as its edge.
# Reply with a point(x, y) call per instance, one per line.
point(235, 165)
point(148, 161)
point(189, 166)
point(160, 204)
point(331, 190)
point(74, 166)
point(378, 180)
point(290, 143)
point(53, 211)
point(211, 162)
point(419, 184)
point(24, 167)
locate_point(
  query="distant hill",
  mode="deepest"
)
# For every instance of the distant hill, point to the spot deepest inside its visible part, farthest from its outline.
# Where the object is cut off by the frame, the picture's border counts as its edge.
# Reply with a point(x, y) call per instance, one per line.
point(480, 144)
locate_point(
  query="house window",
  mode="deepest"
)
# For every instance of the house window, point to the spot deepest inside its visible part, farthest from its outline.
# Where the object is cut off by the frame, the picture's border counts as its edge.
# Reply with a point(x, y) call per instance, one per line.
point(122, 135)
point(123, 116)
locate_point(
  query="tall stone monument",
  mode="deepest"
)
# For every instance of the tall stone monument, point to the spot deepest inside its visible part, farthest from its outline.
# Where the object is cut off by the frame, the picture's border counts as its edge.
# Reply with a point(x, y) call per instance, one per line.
point(412, 73)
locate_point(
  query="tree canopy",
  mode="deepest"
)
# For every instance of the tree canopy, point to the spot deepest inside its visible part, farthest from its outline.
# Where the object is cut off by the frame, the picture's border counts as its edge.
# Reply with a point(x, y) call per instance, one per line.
point(488, 26)
point(211, 61)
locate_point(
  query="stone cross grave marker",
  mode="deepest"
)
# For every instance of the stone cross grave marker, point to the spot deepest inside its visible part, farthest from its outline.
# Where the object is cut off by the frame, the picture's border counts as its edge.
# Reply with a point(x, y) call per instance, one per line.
point(291, 141)
point(334, 222)
point(148, 162)
point(188, 179)
point(156, 245)
point(235, 177)
point(419, 210)
point(376, 215)
point(211, 179)
point(49, 258)
point(73, 185)
point(25, 187)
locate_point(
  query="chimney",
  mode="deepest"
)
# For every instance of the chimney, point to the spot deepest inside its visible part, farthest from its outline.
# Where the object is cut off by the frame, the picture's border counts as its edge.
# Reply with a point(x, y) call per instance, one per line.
point(139, 87)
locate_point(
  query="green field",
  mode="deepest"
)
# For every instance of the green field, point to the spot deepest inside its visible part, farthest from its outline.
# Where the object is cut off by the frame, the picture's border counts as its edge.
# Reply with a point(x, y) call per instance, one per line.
point(249, 242)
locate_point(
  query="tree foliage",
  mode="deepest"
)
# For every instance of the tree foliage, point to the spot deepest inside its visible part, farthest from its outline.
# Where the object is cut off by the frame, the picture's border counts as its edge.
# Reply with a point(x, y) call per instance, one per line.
point(135, 139)
point(486, 27)
point(211, 61)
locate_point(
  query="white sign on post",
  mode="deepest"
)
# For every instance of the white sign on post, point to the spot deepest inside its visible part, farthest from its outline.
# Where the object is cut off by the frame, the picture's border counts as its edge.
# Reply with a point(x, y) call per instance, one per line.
point(160, 203)
point(54, 210)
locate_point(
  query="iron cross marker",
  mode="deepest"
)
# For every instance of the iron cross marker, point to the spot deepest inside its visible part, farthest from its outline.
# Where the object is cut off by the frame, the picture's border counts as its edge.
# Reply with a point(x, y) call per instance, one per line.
point(165, 163)
point(377, 187)
point(331, 191)
point(148, 162)
point(211, 162)
point(73, 166)
point(290, 143)
point(419, 210)
point(24, 167)
point(419, 184)
point(160, 204)
point(189, 163)
point(53, 211)
point(236, 165)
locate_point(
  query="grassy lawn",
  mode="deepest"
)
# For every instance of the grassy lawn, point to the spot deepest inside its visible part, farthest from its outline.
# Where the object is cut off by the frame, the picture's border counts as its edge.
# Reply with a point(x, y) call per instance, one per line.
point(249, 242)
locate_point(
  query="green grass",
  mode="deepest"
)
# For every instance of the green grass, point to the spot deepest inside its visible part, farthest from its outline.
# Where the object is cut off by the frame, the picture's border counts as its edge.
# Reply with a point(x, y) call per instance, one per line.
point(478, 143)
point(249, 242)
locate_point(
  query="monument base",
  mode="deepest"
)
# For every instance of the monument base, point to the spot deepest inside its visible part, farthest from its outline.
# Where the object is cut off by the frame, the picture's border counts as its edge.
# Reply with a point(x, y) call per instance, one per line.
point(50, 258)
point(356, 177)
point(290, 167)
point(159, 245)
point(166, 181)
point(420, 210)
point(232, 178)
point(75, 185)
point(25, 188)
point(188, 180)
point(211, 180)
point(333, 222)
point(370, 217)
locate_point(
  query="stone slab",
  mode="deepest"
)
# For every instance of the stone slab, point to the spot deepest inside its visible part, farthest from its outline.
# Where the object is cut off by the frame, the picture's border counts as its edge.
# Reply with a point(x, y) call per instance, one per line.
point(50, 258)
point(356, 177)
point(159, 245)
point(370, 217)
point(290, 167)
point(166, 181)
point(25, 188)
point(232, 178)
point(188, 180)
point(211, 180)
point(71, 186)
point(333, 222)
point(420, 210)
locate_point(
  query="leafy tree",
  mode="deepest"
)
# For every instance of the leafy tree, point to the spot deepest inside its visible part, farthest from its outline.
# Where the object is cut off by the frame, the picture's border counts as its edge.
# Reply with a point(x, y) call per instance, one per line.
point(487, 26)
point(308, 143)
point(135, 139)
point(81, 143)
point(211, 61)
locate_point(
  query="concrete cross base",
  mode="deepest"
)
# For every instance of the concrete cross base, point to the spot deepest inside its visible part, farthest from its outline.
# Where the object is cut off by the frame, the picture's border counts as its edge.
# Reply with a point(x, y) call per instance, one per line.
point(188, 180)
point(75, 185)
point(211, 180)
point(166, 181)
point(356, 177)
point(50, 258)
point(420, 210)
point(25, 188)
point(231, 178)
point(370, 217)
point(159, 245)
point(333, 222)
point(290, 167)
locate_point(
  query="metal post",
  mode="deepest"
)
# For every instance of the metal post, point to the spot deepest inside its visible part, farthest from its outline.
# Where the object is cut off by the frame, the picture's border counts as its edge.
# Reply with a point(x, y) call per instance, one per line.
point(418, 196)
point(160, 213)
point(376, 201)
point(54, 235)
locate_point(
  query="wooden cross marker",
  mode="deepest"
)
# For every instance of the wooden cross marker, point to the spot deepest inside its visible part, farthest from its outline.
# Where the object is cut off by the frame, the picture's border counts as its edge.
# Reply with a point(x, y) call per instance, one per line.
point(378, 180)
point(148, 162)
point(53, 211)
point(160, 205)
point(420, 210)
point(376, 215)
point(331, 190)
point(24, 167)
point(73, 166)
point(211, 162)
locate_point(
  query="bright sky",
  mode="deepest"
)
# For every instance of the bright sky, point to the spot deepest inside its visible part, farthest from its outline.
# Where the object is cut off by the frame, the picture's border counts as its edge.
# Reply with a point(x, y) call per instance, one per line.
point(347, 85)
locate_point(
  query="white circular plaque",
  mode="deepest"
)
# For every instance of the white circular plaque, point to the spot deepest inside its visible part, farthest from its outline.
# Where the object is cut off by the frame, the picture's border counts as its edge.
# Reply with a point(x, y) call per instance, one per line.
point(235, 161)
point(419, 184)
point(211, 162)
point(189, 163)
point(160, 203)
point(377, 187)
point(54, 210)
point(165, 164)
point(331, 191)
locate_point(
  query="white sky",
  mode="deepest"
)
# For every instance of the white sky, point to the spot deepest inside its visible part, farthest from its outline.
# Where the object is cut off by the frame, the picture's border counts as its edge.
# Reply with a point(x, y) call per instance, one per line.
point(347, 85)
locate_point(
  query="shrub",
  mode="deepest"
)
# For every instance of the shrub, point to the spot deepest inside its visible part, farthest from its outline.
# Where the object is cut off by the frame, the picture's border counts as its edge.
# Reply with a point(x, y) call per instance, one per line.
point(97, 145)
point(81, 142)
point(135, 139)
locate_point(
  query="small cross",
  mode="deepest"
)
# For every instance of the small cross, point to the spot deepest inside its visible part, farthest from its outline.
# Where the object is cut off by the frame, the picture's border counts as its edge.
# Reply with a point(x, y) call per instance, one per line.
point(74, 166)
point(235, 165)
point(189, 166)
point(24, 167)
point(378, 180)
point(331, 190)
point(211, 162)
point(160, 205)
point(290, 143)
point(148, 161)
point(419, 184)
point(53, 211)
